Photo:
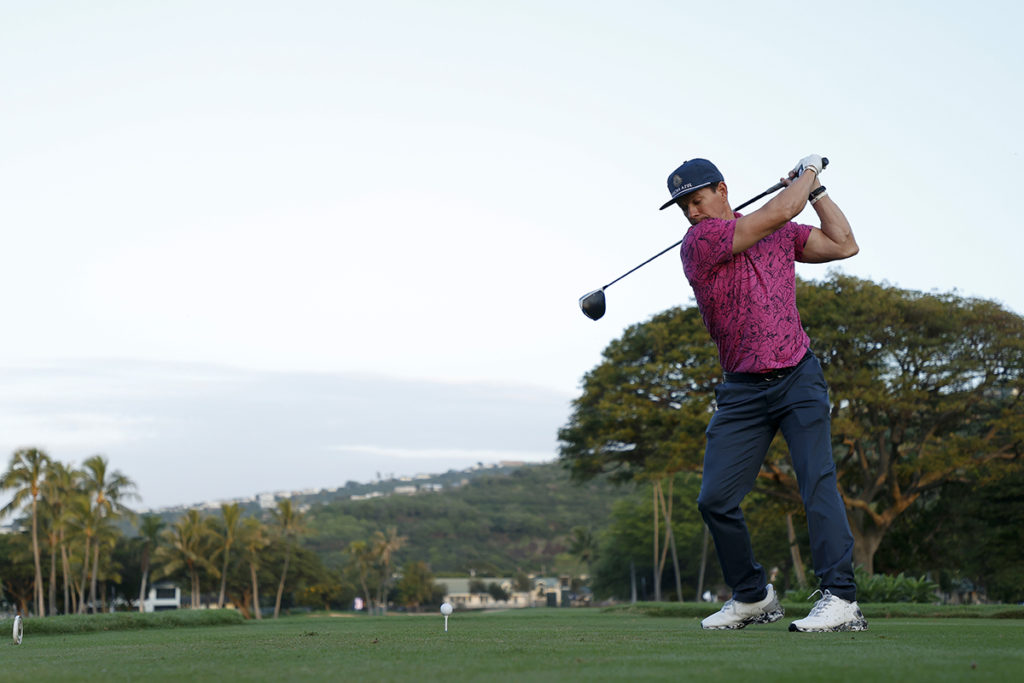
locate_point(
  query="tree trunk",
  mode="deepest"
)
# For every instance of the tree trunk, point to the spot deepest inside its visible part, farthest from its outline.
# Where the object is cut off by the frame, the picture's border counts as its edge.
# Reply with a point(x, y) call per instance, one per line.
point(255, 592)
point(145, 580)
point(280, 586)
point(66, 570)
point(40, 606)
point(366, 594)
point(242, 602)
point(95, 571)
point(657, 555)
point(195, 602)
point(670, 537)
point(794, 551)
point(53, 578)
point(223, 578)
point(703, 563)
point(85, 577)
point(865, 544)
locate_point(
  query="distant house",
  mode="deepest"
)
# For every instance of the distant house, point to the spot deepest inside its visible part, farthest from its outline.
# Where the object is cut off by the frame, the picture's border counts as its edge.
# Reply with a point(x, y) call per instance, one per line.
point(162, 596)
point(546, 592)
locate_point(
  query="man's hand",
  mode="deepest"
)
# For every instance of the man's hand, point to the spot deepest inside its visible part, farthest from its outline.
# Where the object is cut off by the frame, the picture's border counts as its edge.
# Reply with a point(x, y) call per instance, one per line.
point(812, 161)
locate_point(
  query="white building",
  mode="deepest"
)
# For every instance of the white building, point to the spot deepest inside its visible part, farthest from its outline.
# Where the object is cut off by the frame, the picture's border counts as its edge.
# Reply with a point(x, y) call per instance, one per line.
point(161, 596)
point(546, 592)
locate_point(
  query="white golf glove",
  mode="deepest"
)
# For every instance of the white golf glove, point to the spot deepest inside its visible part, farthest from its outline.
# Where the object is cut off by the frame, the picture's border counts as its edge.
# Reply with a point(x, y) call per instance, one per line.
point(812, 161)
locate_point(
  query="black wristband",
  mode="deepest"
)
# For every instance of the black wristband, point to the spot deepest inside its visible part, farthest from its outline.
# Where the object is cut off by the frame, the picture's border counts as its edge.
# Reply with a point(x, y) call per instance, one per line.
point(815, 192)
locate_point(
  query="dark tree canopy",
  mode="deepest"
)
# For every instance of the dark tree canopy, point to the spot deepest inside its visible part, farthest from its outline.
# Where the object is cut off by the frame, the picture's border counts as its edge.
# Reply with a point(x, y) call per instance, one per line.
point(644, 409)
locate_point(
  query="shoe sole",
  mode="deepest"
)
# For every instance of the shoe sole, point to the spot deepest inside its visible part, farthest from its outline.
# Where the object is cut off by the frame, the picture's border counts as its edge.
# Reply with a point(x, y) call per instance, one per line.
point(763, 618)
point(856, 625)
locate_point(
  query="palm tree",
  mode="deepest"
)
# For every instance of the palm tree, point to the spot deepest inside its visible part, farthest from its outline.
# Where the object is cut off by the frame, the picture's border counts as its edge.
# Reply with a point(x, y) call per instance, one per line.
point(106, 490)
point(289, 525)
point(583, 545)
point(85, 521)
point(186, 548)
point(25, 476)
point(149, 533)
point(385, 545)
point(230, 514)
point(253, 537)
point(362, 559)
point(59, 489)
point(107, 570)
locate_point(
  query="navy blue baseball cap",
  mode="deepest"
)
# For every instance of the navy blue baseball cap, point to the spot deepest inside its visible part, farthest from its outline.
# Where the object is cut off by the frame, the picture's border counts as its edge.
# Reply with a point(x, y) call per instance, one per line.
point(690, 177)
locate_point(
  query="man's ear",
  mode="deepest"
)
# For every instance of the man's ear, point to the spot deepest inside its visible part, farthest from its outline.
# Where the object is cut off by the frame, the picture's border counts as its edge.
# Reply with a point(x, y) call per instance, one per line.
point(723, 190)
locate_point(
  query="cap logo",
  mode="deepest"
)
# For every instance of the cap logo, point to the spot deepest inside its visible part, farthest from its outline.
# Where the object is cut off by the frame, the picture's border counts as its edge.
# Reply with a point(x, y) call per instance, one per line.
point(677, 181)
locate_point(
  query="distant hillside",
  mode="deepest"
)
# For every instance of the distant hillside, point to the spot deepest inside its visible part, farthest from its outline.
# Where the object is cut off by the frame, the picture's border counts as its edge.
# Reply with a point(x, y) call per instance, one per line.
point(257, 504)
point(495, 523)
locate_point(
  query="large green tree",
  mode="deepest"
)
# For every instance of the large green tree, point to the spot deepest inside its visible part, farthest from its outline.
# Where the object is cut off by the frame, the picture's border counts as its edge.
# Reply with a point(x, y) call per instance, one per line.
point(967, 536)
point(642, 417)
point(416, 585)
point(926, 388)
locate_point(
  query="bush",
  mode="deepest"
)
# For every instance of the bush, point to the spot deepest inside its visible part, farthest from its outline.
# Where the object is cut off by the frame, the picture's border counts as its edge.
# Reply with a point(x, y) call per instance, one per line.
point(126, 621)
point(880, 588)
point(899, 588)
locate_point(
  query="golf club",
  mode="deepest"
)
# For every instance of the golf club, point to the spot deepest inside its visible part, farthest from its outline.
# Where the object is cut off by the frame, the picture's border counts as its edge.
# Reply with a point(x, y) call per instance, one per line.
point(593, 304)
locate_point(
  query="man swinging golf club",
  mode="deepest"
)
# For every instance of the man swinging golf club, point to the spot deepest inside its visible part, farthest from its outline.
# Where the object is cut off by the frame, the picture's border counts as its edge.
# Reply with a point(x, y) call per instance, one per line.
point(741, 268)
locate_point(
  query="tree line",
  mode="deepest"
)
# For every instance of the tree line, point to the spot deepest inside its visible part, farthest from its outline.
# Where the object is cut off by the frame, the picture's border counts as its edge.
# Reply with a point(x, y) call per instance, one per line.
point(75, 546)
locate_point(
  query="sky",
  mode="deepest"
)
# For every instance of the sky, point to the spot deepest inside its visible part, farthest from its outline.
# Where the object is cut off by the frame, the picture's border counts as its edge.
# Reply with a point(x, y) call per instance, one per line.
point(257, 246)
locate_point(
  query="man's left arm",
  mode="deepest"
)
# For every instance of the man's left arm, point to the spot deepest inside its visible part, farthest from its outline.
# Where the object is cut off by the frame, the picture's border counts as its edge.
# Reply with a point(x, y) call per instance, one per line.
point(835, 240)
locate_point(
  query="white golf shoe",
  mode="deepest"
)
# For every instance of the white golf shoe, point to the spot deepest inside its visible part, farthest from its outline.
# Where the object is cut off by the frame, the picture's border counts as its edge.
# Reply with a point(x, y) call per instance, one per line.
point(734, 615)
point(831, 613)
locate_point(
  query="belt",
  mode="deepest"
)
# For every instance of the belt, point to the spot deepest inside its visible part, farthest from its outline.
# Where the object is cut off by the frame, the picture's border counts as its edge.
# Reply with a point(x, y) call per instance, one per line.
point(770, 376)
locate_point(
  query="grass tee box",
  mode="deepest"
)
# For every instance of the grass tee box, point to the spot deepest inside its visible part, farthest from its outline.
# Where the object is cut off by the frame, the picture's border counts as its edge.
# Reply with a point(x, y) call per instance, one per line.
point(535, 644)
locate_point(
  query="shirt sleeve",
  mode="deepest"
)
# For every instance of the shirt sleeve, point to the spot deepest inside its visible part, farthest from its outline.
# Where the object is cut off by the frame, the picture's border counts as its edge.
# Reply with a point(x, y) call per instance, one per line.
point(800, 234)
point(707, 245)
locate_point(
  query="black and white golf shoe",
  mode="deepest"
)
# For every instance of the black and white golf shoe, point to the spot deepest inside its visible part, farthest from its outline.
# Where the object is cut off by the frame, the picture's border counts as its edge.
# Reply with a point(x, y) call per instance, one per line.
point(831, 613)
point(734, 615)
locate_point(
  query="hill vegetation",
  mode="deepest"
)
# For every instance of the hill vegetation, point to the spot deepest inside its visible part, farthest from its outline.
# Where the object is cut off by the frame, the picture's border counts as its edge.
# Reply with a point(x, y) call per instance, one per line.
point(495, 524)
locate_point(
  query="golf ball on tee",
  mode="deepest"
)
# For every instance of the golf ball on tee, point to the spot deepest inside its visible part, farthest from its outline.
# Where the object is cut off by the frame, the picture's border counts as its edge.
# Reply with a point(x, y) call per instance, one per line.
point(446, 609)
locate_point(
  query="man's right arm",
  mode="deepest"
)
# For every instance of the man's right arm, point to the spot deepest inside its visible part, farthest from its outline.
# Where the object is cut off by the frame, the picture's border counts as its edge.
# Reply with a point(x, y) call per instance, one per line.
point(781, 209)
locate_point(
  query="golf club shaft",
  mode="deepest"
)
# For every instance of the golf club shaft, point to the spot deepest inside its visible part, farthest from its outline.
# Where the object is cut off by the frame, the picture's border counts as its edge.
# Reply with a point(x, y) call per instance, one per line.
point(774, 188)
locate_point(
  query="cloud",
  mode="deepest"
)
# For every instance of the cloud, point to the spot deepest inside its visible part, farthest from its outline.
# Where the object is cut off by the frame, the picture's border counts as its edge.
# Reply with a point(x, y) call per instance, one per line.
point(190, 432)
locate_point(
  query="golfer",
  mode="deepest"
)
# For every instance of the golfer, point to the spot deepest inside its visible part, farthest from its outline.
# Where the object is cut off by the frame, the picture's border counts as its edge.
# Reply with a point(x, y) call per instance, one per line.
point(741, 268)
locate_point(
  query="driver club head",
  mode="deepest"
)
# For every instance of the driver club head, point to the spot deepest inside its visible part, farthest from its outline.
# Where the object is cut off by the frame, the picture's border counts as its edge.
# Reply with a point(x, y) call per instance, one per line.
point(592, 304)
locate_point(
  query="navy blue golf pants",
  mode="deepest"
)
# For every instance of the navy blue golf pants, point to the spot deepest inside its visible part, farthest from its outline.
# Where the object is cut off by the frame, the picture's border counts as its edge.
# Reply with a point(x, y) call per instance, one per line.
point(748, 416)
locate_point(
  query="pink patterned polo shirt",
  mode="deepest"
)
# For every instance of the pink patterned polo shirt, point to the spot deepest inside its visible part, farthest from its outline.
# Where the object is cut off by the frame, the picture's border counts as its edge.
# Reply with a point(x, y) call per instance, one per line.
point(748, 301)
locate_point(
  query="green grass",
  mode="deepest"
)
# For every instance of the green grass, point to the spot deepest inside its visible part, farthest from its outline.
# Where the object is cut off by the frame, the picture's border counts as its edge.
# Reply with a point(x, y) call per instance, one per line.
point(535, 645)
point(801, 608)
